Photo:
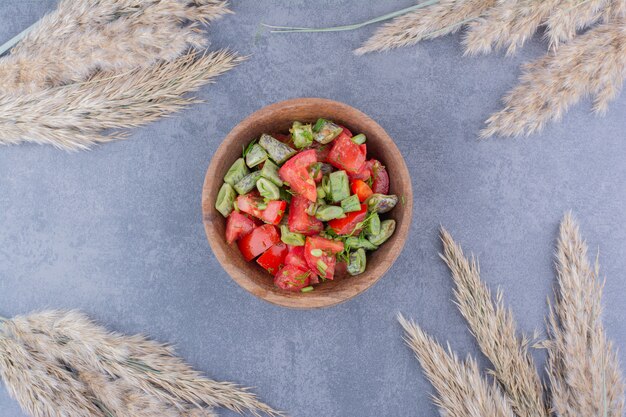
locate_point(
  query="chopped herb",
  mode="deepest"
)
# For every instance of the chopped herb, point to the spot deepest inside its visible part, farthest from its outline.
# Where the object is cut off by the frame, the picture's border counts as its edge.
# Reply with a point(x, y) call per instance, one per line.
point(317, 252)
point(246, 149)
point(307, 289)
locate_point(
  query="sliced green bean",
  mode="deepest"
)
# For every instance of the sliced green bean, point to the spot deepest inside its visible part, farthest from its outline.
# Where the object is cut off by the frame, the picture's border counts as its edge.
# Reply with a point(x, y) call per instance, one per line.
point(380, 203)
point(387, 227)
point(339, 186)
point(326, 213)
point(255, 156)
point(372, 226)
point(354, 242)
point(278, 151)
point(350, 204)
point(359, 139)
point(357, 261)
point(236, 172)
point(301, 134)
point(326, 131)
point(225, 199)
point(270, 171)
point(268, 189)
point(291, 238)
point(248, 182)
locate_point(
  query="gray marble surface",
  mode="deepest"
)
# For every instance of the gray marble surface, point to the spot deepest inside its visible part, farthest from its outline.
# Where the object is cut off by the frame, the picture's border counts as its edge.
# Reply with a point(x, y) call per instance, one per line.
point(117, 232)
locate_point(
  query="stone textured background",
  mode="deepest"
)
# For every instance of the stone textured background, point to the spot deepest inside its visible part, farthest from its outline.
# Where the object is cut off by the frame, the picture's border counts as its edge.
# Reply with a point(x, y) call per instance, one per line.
point(117, 232)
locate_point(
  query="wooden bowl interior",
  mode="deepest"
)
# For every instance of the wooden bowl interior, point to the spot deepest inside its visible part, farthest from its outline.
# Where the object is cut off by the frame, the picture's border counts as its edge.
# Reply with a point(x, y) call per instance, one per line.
point(278, 118)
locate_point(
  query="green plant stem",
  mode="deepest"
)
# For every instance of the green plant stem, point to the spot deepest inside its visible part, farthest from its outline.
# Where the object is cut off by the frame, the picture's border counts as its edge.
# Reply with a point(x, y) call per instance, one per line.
point(289, 29)
point(11, 42)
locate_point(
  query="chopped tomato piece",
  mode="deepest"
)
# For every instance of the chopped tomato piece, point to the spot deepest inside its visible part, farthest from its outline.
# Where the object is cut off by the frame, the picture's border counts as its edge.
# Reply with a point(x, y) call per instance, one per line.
point(346, 155)
point(258, 241)
point(295, 256)
point(274, 258)
point(363, 148)
point(349, 224)
point(273, 212)
point(238, 225)
point(361, 189)
point(296, 173)
point(320, 255)
point(299, 219)
point(292, 278)
point(380, 184)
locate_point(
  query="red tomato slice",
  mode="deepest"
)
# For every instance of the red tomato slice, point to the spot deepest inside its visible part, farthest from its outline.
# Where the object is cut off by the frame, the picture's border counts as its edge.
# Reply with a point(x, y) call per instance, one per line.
point(380, 185)
point(295, 257)
point(346, 155)
point(237, 226)
point(361, 189)
point(299, 220)
point(272, 214)
point(274, 258)
point(322, 263)
point(292, 278)
point(296, 172)
point(258, 241)
point(348, 225)
point(363, 148)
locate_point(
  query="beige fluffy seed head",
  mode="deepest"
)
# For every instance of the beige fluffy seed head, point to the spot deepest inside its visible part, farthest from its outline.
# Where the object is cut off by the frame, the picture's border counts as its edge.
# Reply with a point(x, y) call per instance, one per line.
point(82, 36)
point(77, 116)
point(494, 328)
point(442, 18)
point(509, 24)
point(583, 367)
point(592, 64)
point(59, 364)
point(572, 16)
point(461, 390)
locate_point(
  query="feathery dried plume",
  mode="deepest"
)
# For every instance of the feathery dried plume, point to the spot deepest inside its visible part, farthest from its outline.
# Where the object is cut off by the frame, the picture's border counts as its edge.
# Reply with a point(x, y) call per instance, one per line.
point(442, 18)
point(58, 364)
point(583, 366)
point(509, 23)
point(571, 16)
point(76, 116)
point(494, 328)
point(461, 390)
point(84, 36)
point(593, 63)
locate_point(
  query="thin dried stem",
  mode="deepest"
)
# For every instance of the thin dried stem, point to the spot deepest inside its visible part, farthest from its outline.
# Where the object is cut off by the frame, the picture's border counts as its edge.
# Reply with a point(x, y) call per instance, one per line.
point(437, 20)
point(461, 390)
point(583, 366)
point(593, 63)
point(84, 36)
point(77, 116)
point(61, 364)
point(494, 328)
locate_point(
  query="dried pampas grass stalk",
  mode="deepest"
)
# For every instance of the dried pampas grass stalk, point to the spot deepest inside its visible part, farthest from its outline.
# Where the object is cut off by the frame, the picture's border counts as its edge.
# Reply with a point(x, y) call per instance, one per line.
point(442, 18)
point(77, 116)
point(583, 368)
point(494, 328)
point(582, 364)
point(59, 364)
point(461, 391)
point(84, 36)
point(593, 63)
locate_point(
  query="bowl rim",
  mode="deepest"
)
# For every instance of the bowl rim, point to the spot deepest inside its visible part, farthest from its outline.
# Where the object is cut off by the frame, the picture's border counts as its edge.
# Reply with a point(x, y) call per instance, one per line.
point(314, 301)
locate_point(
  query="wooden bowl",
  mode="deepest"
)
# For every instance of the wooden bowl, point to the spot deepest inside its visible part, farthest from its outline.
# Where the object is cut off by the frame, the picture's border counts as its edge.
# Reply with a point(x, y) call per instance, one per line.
point(278, 118)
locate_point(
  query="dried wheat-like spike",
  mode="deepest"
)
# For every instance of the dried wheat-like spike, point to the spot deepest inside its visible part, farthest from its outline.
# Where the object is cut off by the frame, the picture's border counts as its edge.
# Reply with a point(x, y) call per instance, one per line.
point(442, 18)
point(462, 392)
point(571, 16)
point(83, 36)
point(61, 364)
point(508, 24)
point(593, 63)
point(75, 116)
point(615, 11)
point(494, 328)
point(583, 366)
